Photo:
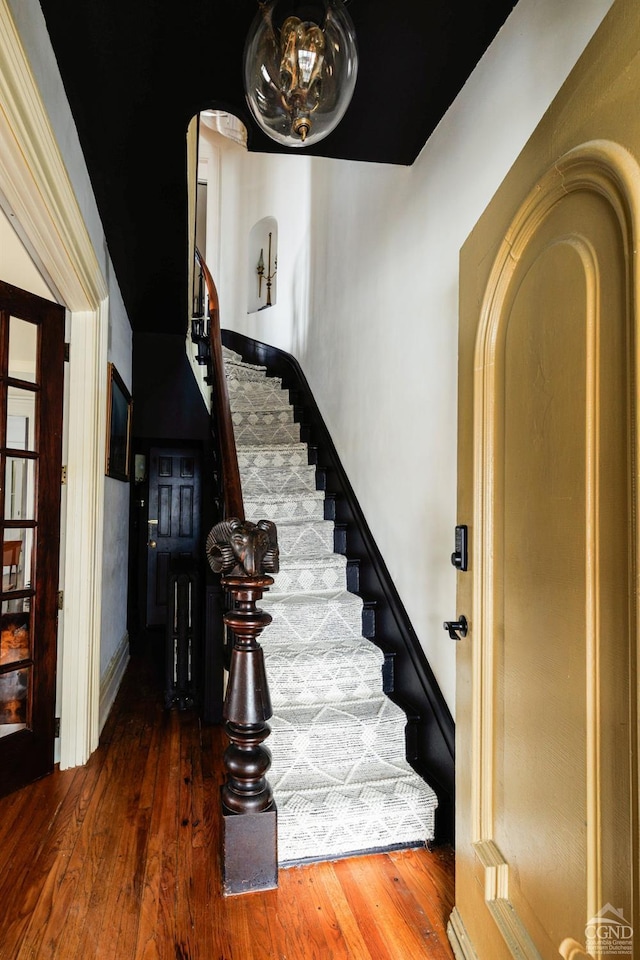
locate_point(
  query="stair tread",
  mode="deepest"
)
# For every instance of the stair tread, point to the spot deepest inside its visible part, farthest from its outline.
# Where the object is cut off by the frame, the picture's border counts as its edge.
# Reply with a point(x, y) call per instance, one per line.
point(255, 494)
point(275, 447)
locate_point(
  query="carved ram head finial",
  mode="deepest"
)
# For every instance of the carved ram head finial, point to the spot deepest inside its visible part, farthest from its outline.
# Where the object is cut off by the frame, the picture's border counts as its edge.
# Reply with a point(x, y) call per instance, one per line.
point(243, 548)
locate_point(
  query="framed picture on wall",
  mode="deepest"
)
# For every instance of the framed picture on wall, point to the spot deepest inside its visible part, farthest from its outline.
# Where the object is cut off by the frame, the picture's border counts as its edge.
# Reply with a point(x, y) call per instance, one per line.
point(118, 426)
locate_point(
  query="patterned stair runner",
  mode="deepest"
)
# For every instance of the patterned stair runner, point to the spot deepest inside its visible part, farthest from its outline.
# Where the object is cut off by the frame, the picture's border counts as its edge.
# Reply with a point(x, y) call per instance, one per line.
point(339, 774)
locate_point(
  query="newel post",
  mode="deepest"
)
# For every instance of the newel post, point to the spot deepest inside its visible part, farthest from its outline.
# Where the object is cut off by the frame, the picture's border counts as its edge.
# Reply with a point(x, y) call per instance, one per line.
point(247, 553)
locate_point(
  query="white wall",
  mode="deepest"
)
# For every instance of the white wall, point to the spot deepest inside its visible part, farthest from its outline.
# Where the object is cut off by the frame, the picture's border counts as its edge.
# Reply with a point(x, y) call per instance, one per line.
point(31, 26)
point(245, 189)
point(16, 265)
point(374, 325)
point(116, 503)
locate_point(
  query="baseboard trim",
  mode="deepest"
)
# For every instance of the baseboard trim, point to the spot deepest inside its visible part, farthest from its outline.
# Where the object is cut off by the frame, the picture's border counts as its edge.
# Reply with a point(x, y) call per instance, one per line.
point(112, 678)
point(459, 939)
point(412, 684)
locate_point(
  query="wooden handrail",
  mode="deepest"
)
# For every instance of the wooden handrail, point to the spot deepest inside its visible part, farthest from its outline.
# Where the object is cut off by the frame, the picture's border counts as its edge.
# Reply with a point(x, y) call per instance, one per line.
point(232, 488)
point(245, 553)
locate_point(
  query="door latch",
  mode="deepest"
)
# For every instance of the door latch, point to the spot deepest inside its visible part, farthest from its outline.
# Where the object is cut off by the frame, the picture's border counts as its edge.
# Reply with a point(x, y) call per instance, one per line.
point(455, 627)
point(460, 556)
point(152, 526)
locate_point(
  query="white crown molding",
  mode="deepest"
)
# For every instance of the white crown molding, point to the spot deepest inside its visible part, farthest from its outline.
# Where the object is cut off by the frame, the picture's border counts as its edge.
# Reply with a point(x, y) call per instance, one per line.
point(35, 182)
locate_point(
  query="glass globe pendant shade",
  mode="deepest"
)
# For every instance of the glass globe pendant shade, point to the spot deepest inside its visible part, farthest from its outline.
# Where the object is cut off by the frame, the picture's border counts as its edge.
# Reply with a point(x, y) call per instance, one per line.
point(299, 73)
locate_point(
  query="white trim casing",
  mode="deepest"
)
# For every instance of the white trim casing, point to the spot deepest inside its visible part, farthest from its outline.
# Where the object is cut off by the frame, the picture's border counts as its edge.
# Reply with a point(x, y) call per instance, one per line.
point(84, 537)
point(459, 938)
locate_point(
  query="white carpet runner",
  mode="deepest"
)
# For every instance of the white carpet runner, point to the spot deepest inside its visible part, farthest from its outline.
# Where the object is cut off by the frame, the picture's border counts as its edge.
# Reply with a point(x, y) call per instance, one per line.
point(339, 774)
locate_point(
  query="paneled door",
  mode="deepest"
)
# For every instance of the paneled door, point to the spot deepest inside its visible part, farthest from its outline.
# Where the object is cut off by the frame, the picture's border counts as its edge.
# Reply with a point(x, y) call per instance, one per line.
point(547, 853)
point(31, 400)
point(173, 520)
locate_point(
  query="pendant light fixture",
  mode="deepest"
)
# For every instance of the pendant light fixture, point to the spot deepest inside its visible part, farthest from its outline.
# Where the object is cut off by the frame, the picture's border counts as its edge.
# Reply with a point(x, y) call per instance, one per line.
point(300, 67)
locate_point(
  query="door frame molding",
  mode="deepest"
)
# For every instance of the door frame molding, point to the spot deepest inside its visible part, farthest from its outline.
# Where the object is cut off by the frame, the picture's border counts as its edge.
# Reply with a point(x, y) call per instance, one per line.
point(611, 171)
point(40, 200)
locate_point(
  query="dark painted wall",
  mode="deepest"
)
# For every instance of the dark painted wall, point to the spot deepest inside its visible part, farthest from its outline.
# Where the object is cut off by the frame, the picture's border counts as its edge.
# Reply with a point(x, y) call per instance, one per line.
point(168, 411)
point(167, 401)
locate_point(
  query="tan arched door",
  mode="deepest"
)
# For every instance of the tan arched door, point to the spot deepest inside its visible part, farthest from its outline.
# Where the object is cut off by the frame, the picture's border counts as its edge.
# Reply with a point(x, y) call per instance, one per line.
point(547, 793)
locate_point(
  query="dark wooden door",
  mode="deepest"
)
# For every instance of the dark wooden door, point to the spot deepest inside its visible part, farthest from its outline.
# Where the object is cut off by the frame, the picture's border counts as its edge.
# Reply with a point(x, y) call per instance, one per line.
point(173, 528)
point(31, 396)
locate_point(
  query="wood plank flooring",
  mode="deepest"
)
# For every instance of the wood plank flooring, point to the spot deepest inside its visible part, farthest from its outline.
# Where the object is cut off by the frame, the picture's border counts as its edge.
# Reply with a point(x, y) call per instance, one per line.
point(118, 860)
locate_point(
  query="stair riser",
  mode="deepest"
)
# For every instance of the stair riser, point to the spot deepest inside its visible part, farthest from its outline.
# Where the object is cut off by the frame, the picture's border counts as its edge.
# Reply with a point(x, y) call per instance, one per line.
point(316, 769)
point(258, 398)
point(300, 678)
point(255, 434)
point(308, 580)
point(332, 628)
point(283, 694)
point(292, 455)
point(308, 539)
point(305, 834)
point(245, 374)
point(278, 480)
point(331, 618)
point(280, 511)
point(262, 418)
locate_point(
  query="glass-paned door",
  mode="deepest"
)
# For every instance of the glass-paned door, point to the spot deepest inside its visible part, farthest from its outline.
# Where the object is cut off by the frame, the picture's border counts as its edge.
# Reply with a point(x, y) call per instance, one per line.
point(31, 396)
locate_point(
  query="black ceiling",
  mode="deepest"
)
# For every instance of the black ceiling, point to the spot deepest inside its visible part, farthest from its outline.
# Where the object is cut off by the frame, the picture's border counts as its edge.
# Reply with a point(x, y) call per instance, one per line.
point(136, 71)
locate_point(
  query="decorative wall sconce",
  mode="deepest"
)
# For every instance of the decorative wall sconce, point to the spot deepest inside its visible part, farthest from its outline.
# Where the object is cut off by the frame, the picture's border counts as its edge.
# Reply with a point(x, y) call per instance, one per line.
point(300, 68)
point(268, 277)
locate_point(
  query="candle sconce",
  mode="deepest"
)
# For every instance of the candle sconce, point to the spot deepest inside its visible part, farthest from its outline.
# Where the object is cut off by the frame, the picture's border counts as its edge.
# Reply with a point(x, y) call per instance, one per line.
point(268, 275)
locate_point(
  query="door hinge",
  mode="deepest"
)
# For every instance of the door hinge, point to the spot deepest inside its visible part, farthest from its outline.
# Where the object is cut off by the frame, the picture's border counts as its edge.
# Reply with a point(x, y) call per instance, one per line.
point(67, 352)
point(63, 478)
point(56, 727)
point(60, 599)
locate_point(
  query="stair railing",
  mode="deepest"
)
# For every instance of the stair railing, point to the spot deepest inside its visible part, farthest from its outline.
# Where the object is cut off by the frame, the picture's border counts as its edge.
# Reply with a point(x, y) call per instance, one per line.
point(245, 553)
point(232, 489)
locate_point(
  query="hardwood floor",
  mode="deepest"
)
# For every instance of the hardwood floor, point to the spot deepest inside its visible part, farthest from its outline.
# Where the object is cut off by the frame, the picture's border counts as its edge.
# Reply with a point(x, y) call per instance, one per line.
point(117, 860)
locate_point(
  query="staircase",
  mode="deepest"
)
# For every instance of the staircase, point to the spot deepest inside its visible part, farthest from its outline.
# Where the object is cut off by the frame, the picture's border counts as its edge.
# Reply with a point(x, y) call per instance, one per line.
point(339, 774)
